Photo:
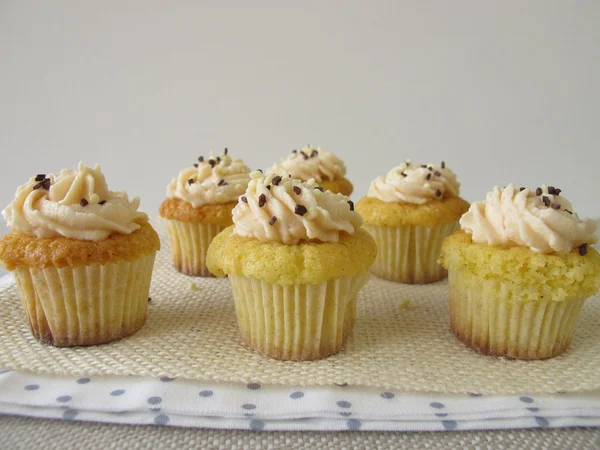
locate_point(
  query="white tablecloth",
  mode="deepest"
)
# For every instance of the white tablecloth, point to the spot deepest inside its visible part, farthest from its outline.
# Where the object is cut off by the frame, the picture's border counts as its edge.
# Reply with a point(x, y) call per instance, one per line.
point(165, 401)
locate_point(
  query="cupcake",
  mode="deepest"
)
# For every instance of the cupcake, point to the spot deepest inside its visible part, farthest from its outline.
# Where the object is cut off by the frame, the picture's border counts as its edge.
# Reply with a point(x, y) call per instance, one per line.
point(82, 257)
point(409, 212)
point(296, 258)
point(198, 206)
point(520, 270)
point(316, 163)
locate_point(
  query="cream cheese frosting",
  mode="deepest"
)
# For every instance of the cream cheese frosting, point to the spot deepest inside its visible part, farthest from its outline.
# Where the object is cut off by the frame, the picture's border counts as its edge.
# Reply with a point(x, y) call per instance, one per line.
point(74, 204)
point(542, 220)
point(211, 181)
point(311, 162)
point(415, 183)
point(283, 209)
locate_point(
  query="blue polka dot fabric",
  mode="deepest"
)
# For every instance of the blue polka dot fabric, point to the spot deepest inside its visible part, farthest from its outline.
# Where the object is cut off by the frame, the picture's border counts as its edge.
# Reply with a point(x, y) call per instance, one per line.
point(167, 401)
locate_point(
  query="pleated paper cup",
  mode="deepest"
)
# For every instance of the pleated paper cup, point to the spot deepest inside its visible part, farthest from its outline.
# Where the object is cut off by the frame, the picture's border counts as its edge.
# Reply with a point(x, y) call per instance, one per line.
point(86, 305)
point(296, 322)
point(409, 254)
point(488, 316)
point(189, 243)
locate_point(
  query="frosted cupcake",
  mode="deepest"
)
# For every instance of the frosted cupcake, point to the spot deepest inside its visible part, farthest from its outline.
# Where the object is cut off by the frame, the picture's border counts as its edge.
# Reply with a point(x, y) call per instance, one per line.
point(296, 258)
point(409, 212)
point(316, 163)
point(198, 206)
point(82, 257)
point(520, 271)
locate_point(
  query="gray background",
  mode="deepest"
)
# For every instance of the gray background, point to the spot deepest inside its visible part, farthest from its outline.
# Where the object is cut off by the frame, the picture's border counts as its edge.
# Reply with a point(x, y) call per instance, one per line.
point(502, 91)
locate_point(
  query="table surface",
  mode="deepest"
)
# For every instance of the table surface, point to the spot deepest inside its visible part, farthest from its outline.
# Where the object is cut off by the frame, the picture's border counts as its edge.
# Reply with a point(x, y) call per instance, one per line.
point(30, 434)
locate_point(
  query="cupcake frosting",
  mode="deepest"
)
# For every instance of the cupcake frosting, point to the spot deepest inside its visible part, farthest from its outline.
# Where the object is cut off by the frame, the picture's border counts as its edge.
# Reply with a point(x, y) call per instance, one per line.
point(542, 220)
point(211, 181)
point(282, 209)
point(311, 162)
point(415, 183)
point(74, 204)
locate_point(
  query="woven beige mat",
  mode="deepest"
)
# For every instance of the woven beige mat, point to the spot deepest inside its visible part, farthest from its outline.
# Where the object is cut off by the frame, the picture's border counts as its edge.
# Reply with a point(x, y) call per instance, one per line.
point(193, 334)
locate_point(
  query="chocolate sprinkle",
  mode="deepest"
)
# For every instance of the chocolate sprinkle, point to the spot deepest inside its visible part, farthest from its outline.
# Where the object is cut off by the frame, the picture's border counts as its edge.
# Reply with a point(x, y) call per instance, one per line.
point(218, 159)
point(351, 203)
point(276, 180)
point(304, 155)
point(297, 190)
point(428, 177)
point(149, 299)
point(300, 210)
point(546, 201)
point(46, 183)
point(319, 188)
point(225, 151)
point(567, 211)
point(244, 199)
point(201, 159)
point(40, 177)
point(424, 166)
point(403, 174)
point(555, 206)
point(83, 202)
point(39, 185)
point(438, 193)
point(294, 151)
point(314, 153)
point(583, 249)
point(212, 162)
point(538, 191)
point(102, 202)
point(521, 189)
point(191, 181)
point(443, 165)
point(273, 220)
point(437, 174)
point(557, 191)
point(196, 165)
point(269, 187)
point(260, 170)
point(223, 183)
point(551, 190)
point(262, 199)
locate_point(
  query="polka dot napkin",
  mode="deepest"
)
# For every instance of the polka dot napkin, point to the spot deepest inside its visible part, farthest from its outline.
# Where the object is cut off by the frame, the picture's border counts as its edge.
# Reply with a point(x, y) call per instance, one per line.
point(173, 402)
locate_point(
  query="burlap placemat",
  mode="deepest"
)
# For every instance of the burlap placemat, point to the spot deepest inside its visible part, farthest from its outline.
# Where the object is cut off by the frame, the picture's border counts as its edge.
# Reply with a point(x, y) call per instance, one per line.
point(401, 341)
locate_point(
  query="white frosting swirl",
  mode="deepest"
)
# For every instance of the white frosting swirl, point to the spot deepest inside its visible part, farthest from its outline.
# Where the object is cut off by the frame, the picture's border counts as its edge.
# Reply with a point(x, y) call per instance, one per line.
point(77, 205)
point(545, 223)
point(311, 162)
point(417, 184)
point(292, 211)
point(215, 180)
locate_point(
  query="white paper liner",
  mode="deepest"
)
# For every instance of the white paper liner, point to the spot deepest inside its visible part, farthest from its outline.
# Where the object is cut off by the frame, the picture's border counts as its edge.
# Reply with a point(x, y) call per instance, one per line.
point(296, 322)
point(488, 316)
point(189, 243)
point(86, 305)
point(409, 254)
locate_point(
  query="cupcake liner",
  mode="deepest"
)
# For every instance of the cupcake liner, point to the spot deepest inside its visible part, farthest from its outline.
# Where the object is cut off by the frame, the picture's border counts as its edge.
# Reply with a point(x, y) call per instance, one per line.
point(296, 322)
point(189, 243)
point(86, 305)
point(488, 316)
point(409, 254)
